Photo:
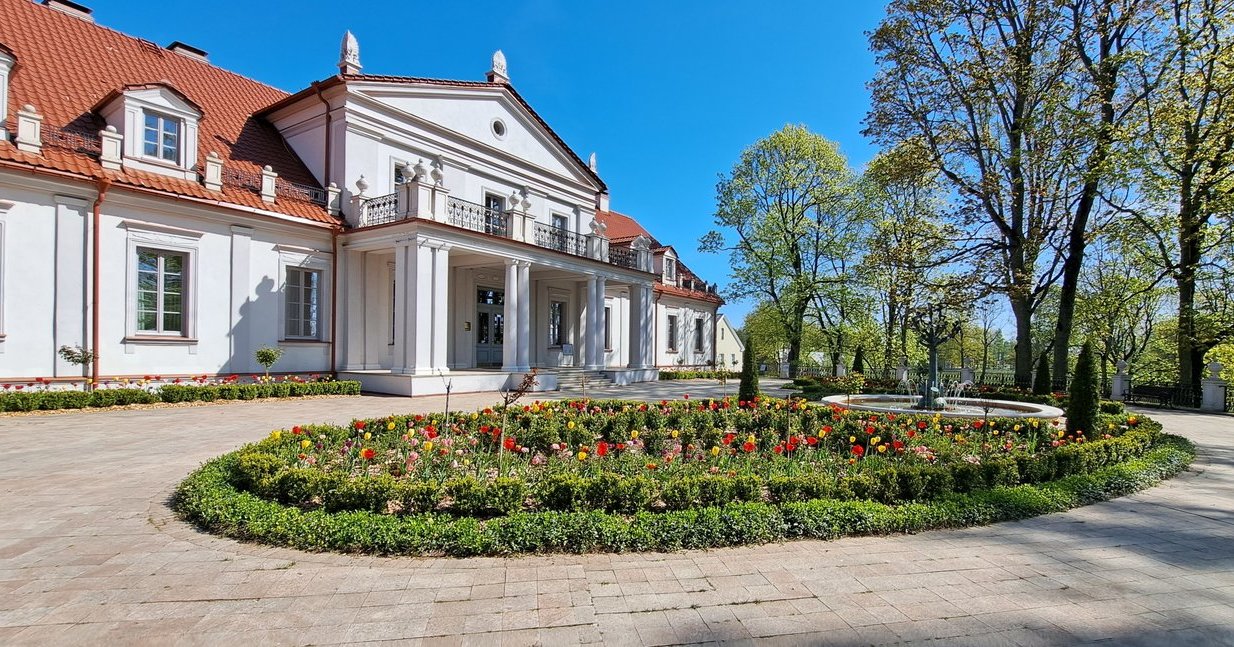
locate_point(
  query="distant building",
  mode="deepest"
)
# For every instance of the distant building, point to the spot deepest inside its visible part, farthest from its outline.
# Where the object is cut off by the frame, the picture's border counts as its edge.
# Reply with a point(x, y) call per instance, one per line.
point(729, 347)
point(175, 216)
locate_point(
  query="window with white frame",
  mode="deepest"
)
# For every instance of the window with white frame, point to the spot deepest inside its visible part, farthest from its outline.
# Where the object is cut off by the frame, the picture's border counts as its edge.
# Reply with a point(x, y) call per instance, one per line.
point(302, 295)
point(698, 335)
point(160, 292)
point(161, 137)
point(670, 270)
point(556, 323)
point(671, 338)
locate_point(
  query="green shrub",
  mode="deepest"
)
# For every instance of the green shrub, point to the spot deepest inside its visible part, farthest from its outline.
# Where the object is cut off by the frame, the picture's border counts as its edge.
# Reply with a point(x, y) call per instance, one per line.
point(747, 391)
point(1084, 397)
point(1041, 380)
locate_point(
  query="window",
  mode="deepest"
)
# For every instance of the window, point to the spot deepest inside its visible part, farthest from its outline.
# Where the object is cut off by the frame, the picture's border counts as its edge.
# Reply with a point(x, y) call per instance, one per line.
point(559, 236)
point(160, 292)
point(670, 270)
point(556, 321)
point(608, 330)
point(494, 218)
point(671, 338)
point(303, 298)
point(161, 137)
point(721, 334)
point(698, 335)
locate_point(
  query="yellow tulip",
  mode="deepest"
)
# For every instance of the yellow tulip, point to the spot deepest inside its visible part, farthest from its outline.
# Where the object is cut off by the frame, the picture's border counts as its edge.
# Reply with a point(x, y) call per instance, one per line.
point(715, 451)
point(276, 434)
point(676, 433)
point(634, 435)
point(882, 449)
point(570, 425)
point(305, 443)
point(1016, 428)
point(582, 456)
point(852, 439)
point(368, 436)
point(389, 426)
point(428, 445)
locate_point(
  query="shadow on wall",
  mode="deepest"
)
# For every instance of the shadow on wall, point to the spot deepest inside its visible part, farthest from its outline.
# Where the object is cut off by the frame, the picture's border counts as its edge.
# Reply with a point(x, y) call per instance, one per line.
point(256, 326)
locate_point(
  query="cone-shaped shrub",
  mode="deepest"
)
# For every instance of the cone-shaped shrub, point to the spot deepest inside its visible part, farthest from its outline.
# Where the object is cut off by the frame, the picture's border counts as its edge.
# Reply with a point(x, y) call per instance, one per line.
point(1041, 381)
point(1083, 400)
point(859, 360)
point(749, 376)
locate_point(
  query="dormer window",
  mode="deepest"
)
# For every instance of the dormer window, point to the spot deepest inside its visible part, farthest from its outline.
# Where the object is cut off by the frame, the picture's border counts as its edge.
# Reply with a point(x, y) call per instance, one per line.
point(159, 127)
point(162, 137)
point(670, 270)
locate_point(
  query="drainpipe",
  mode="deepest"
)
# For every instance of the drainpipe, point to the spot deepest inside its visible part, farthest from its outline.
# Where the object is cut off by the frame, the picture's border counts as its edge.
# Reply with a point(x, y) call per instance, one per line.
point(103, 184)
point(334, 260)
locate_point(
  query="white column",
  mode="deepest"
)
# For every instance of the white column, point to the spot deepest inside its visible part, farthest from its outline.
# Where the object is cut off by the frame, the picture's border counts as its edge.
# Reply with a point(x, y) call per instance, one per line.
point(597, 331)
point(509, 348)
point(524, 316)
point(641, 321)
point(636, 327)
point(421, 304)
point(404, 259)
point(441, 308)
point(241, 342)
point(592, 318)
point(71, 298)
point(1120, 383)
point(354, 316)
point(1213, 389)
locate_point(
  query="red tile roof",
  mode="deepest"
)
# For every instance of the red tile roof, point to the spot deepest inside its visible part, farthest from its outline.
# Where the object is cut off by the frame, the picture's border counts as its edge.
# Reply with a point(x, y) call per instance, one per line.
point(623, 229)
point(66, 66)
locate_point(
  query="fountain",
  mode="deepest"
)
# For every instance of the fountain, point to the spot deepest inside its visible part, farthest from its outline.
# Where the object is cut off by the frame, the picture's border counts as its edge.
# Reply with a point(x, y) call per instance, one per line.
point(935, 328)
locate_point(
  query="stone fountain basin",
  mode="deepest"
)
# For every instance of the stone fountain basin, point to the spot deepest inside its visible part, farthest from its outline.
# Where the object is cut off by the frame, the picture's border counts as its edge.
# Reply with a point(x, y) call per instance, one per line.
point(956, 407)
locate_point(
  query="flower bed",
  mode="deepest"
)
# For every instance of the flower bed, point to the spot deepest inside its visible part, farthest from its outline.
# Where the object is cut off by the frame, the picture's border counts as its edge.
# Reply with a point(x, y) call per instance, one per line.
point(614, 475)
point(49, 399)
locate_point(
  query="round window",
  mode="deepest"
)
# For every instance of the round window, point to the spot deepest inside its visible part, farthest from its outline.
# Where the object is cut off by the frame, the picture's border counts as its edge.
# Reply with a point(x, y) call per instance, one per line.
point(499, 128)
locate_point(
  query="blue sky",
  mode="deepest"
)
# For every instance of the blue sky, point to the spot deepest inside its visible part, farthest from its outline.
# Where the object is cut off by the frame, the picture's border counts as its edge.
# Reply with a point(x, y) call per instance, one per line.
point(667, 94)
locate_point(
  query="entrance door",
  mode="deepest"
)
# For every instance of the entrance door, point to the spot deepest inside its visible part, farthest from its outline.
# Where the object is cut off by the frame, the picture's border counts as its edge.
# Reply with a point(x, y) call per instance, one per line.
point(490, 326)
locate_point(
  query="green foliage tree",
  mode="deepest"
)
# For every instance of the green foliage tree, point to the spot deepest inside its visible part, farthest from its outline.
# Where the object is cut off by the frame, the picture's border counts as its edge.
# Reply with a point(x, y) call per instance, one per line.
point(1042, 384)
point(788, 215)
point(267, 356)
point(980, 85)
point(748, 388)
point(1084, 398)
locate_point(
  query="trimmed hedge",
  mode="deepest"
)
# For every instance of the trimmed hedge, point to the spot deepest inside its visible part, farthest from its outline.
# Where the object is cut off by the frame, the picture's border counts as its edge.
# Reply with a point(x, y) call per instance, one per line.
point(208, 499)
point(705, 374)
point(52, 400)
point(267, 476)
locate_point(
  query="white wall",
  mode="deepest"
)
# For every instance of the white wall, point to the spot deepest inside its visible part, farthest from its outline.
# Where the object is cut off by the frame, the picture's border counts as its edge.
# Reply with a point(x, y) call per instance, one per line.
point(728, 344)
point(687, 311)
point(234, 283)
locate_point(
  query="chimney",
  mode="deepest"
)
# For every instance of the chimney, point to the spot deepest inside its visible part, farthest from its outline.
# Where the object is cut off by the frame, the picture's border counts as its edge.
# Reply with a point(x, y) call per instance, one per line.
point(189, 51)
point(71, 8)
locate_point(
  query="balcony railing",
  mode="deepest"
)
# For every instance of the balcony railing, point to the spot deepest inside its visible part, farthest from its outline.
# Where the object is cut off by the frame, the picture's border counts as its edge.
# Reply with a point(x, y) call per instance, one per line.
point(477, 217)
point(562, 240)
point(379, 210)
point(623, 257)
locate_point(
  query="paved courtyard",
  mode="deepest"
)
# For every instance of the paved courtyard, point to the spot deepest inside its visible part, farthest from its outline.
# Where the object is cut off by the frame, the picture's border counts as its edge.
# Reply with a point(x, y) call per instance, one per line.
point(90, 554)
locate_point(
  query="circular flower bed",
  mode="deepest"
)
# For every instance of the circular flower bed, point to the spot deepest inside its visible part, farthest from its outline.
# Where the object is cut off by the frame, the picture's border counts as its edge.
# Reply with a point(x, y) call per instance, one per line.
point(614, 475)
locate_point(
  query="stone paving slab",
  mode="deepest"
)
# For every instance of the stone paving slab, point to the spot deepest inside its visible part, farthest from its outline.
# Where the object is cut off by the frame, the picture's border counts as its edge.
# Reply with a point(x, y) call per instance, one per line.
point(90, 554)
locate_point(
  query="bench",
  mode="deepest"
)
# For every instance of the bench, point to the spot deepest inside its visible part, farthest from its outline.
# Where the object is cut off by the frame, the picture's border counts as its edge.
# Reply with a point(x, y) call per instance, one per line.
point(1162, 395)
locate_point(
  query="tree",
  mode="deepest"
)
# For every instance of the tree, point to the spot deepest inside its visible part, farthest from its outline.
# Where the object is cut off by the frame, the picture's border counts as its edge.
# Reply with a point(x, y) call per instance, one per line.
point(1186, 166)
point(978, 84)
point(267, 356)
point(747, 391)
point(790, 203)
point(1120, 304)
point(1083, 399)
point(1103, 36)
point(907, 239)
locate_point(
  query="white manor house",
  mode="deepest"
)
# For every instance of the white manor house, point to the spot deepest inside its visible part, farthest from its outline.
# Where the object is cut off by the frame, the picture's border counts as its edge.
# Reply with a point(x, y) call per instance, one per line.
point(406, 232)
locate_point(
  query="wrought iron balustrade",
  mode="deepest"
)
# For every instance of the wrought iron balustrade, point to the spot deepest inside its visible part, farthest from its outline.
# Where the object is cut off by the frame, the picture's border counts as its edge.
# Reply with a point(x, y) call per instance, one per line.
point(623, 257)
point(562, 240)
point(379, 210)
point(477, 217)
point(74, 140)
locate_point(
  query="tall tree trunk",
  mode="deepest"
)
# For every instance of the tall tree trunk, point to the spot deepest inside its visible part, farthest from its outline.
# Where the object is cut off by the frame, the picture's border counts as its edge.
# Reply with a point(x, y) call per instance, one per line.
point(1190, 232)
point(1021, 309)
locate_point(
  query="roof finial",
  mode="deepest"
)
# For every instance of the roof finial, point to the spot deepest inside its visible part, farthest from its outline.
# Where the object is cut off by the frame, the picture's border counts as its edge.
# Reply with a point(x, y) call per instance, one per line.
point(498, 74)
point(349, 55)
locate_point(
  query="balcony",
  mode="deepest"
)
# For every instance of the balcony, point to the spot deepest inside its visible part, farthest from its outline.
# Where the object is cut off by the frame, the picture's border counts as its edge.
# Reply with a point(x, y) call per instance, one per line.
point(511, 223)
